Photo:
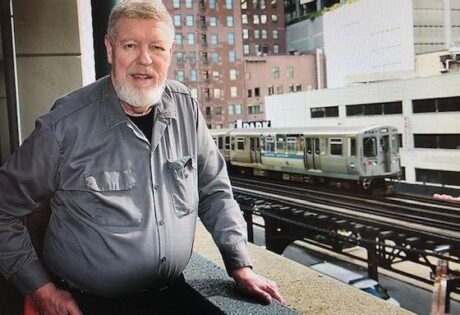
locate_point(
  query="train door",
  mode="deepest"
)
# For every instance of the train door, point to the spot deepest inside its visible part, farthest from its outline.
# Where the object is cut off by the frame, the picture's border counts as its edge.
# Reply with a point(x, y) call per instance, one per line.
point(255, 149)
point(311, 156)
point(386, 152)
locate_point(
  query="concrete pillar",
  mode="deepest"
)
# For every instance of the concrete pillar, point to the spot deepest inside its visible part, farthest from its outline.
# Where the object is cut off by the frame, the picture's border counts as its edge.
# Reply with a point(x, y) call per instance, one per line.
point(447, 24)
point(53, 57)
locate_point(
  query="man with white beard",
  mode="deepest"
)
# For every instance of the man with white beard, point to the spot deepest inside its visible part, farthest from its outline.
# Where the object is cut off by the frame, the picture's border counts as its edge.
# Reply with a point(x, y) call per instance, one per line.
point(126, 165)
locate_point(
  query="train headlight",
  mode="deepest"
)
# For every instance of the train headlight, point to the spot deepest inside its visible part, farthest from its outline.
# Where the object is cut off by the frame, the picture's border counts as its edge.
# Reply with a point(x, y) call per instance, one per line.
point(352, 165)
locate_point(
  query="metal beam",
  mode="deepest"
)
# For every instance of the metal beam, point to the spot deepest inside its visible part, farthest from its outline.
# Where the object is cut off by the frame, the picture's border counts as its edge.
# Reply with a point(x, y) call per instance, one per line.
point(9, 60)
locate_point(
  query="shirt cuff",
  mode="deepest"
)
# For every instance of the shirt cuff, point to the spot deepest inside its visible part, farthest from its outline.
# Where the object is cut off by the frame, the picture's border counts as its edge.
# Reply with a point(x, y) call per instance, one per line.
point(29, 277)
point(236, 256)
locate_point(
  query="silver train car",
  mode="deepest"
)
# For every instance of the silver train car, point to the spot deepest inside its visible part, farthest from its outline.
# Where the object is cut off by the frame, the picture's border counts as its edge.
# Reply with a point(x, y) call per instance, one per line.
point(341, 156)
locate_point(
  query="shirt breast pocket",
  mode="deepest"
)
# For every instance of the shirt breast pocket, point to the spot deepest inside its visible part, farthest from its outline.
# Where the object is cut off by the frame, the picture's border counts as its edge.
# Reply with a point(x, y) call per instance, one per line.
point(113, 198)
point(184, 185)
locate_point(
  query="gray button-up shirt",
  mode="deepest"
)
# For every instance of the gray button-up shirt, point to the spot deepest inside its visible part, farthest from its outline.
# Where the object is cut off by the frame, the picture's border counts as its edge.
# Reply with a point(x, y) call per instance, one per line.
point(123, 208)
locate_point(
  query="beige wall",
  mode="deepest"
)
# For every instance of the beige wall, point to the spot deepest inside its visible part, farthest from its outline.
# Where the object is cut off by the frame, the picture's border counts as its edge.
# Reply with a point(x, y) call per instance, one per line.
point(50, 58)
point(259, 74)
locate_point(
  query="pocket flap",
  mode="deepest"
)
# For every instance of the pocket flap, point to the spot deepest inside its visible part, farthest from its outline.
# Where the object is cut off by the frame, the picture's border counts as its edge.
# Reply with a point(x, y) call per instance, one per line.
point(182, 163)
point(110, 180)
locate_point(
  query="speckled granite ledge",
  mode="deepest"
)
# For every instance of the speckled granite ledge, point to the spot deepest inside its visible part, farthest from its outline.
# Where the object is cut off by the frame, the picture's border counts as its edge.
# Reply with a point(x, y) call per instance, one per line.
point(306, 291)
point(218, 294)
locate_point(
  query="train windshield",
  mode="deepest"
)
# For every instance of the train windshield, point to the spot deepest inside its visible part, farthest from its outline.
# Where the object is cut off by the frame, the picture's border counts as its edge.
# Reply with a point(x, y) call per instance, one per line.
point(370, 147)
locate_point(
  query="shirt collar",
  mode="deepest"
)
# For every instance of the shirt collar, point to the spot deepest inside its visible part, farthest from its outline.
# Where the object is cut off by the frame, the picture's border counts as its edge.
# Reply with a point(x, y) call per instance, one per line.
point(115, 115)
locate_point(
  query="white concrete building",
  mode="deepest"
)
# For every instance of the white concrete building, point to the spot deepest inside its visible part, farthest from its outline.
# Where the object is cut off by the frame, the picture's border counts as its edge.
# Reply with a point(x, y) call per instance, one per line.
point(426, 111)
point(375, 40)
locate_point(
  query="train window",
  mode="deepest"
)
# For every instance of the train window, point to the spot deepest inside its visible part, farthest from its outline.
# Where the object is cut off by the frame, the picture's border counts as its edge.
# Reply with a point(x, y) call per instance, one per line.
point(293, 143)
point(268, 144)
point(240, 144)
point(227, 143)
point(352, 147)
point(280, 144)
point(221, 144)
point(308, 144)
point(317, 146)
point(335, 146)
point(369, 146)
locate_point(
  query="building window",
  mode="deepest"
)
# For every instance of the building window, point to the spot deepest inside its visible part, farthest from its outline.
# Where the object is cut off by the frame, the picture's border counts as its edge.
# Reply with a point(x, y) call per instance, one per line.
point(229, 4)
point(207, 94)
point(193, 75)
point(257, 92)
point(298, 88)
point(290, 72)
point(274, 18)
point(374, 109)
point(180, 75)
point(230, 109)
point(218, 111)
point(177, 20)
point(263, 19)
point(275, 72)
point(233, 91)
point(189, 20)
point(273, 4)
point(176, 4)
point(254, 109)
point(275, 34)
point(208, 112)
point(231, 38)
point(217, 93)
point(216, 75)
point(244, 4)
point(446, 104)
point(214, 39)
point(279, 89)
point(232, 56)
point(319, 112)
point(264, 34)
point(245, 33)
point(178, 39)
point(215, 57)
point(179, 57)
point(191, 38)
point(205, 75)
point(238, 109)
point(213, 21)
point(244, 19)
point(188, 4)
point(232, 73)
point(256, 34)
point(249, 93)
point(194, 92)
point(192, 57)
point(212, 4)
point(229, 21)
point(246, 49)
point(271, 90)
point(255, 19)
point(437, 177)
point(276, 49)
point(437, 141)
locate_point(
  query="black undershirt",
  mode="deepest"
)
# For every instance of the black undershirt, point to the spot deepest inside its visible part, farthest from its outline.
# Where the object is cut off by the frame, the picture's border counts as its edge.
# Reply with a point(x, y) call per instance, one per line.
point(144, 123)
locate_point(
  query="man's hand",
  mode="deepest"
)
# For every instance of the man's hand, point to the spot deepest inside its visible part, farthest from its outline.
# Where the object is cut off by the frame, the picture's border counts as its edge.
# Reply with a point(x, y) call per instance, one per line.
point(249, 282)
point(52, 301)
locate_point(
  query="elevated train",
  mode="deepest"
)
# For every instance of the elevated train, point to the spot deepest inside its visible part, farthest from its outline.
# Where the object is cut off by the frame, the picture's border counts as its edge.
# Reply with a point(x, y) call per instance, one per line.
point(341, 156)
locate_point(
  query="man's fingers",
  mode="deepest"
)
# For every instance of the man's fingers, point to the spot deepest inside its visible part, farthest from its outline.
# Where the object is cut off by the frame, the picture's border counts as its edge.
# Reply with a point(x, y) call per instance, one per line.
point(274, 292)
point(263, 294)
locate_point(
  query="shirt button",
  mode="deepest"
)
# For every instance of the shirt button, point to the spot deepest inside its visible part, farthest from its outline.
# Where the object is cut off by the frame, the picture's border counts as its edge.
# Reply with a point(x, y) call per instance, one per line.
point(163, 259)
point(161, 222)
point(156, 187)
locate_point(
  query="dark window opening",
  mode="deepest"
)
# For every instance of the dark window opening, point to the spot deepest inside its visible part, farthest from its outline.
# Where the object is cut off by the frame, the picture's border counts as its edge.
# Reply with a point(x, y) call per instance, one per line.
point(319, 112)
point(369, 147)
point(446, 104)
point(437, 177)
point(256, 92)
point(437, 141)
point(374, 109)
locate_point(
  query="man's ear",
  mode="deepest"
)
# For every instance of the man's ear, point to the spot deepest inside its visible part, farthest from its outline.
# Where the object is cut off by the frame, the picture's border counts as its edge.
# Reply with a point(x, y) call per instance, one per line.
point(108, 48)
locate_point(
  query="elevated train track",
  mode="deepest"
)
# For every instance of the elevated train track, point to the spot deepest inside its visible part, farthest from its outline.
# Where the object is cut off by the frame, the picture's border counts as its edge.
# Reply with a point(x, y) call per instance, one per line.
point(391, 229)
